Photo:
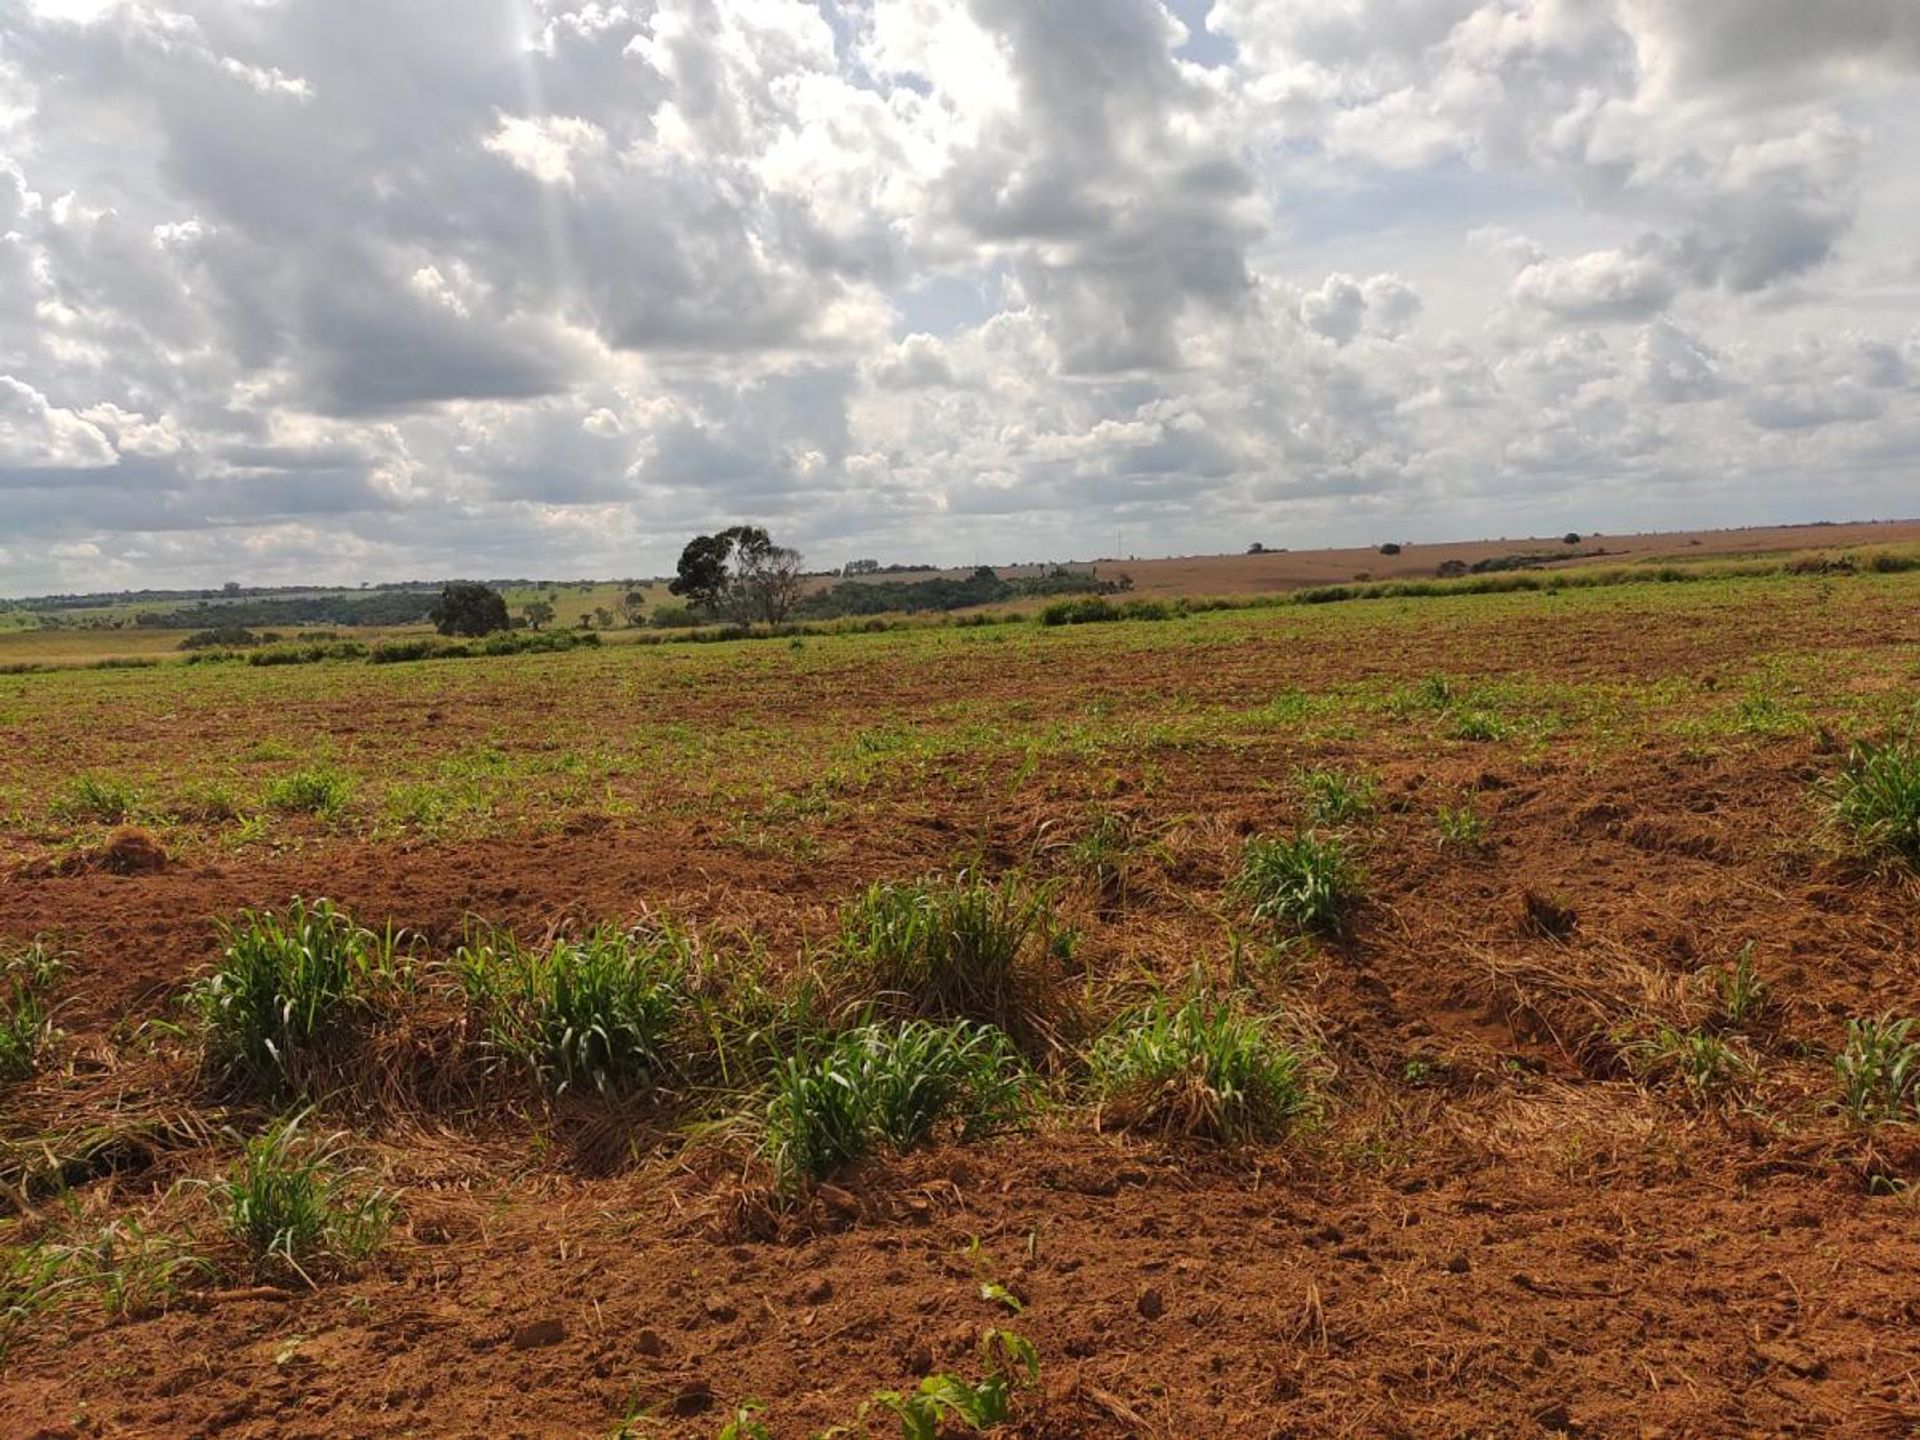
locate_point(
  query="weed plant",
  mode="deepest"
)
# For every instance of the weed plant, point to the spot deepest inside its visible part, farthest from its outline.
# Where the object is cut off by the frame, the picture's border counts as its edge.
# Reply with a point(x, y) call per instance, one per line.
point(964, 948)
point(297, 1210)
point(588, 1013)
point(1305, 881)
point(1879, 1070)
point(1199, 1068)
point(890, 1085)
point(285, 985)
point(1877, 797)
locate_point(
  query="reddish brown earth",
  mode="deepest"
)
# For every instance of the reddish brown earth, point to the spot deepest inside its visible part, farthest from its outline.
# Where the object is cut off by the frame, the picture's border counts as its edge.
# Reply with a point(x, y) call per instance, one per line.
point(1496, 1230)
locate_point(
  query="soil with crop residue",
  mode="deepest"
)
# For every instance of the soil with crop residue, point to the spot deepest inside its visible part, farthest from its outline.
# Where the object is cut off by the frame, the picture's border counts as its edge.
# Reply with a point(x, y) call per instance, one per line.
point(1511, 1215)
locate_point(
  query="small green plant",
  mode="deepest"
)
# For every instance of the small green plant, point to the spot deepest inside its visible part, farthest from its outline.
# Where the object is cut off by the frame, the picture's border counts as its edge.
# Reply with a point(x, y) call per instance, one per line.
point(285, 983)
point(133, 1270)
point(26, 1021)
point(590, 1012)
point(1877, 797)
point(963, 948)
point(98, 797)
point(1479, 726)
point(1199, 1068)
point(1461, 828)
point(1009, 1362)
point(1708, 1064)
point(1305, 881)
point(1761, 715)
point(1743, 994)
point(1105, 855)
point(891, 1085)
point(1333, 797)
point(1879, 1069)
point(744, 1424)
point(296, 1209)
point(317, 791)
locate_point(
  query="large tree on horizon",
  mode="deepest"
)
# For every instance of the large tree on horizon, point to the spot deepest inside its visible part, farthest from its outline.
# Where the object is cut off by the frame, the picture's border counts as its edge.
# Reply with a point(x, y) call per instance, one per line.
point(739, 573)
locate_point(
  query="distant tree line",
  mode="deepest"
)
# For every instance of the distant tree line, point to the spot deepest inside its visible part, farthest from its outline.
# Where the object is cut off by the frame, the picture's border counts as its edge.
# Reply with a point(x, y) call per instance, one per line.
point(371, 607)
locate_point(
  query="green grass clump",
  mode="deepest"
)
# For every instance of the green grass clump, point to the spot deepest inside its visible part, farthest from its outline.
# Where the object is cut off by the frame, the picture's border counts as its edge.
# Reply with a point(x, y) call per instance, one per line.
point(1333, 797)
point(889, 1085)
point(26, 1021)
point(285, 983)
point(1461, 828)
point(314, 791)
point(592, 1012)
point(1305, 881)
point(1877, 797)
point(1709, 1064)
point(1105, 855)
point(1879, 1070)
point(98, 797)
point(1477, 726)
point(297, 1211)
point(1009, 1362)
point(1200, 1068)
point(963, 948)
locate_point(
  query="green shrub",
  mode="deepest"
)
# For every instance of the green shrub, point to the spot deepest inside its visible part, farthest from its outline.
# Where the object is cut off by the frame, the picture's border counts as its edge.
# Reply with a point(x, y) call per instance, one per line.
point(589, 1012)
point(297, 1211)
point(1199, 1068)
point(892, 1085)
point(1877, 797)
point(317, 790)
point(284, 985)
point(962, 948)
point(1305, 881)
point(1879, 1069)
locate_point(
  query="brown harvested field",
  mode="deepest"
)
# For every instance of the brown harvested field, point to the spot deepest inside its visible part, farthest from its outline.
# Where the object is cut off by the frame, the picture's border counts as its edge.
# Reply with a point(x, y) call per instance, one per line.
point(1552, 1179)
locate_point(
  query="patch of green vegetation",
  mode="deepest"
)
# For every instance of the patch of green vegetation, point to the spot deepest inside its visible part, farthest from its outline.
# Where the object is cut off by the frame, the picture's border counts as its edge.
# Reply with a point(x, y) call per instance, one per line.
point(957, 948)
point(1305, 881)
point(1199, 1068)
point(26, 1020)
point(1708, 1063)
point(286, 984)
point(1335, 797)
point(889, 1085)
point(593, 1012)
point(100, 798)
point(1879, 1070)
point(1877, 797)
point(299, 1212)
point(1461, 828)
point(318, 790)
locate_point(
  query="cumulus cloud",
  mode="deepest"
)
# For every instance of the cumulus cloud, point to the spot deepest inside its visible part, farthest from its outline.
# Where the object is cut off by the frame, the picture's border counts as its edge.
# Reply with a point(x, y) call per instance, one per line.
point(313, 290)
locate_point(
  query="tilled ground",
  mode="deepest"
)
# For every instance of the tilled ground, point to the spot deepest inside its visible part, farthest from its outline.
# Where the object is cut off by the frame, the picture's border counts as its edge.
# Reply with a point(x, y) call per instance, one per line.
point(1501, 1224)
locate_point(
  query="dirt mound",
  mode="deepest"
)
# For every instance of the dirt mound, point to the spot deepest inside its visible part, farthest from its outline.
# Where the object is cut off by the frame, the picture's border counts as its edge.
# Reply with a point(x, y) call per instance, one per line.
point(129, 850)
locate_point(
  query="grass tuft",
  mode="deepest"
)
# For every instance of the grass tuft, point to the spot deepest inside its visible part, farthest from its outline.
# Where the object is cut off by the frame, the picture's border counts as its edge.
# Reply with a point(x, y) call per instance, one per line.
point(889, 1085)
point(1305, 881)
point(592, 1012)
point(98, 797)
point(296, 1209)
point(26, 1021)
point(1333, 797)
point(1877, 797)
point(284, 984)
point(1879, 1070)
point(315, 791)
point(1201, 1069)
point(963, 948)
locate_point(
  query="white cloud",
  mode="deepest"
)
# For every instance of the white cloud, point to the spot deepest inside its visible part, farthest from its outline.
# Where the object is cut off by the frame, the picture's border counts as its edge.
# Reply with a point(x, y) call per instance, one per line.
point(519, 289)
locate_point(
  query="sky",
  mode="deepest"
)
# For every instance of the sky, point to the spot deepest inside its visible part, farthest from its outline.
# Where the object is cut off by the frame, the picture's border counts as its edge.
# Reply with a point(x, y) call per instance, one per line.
point(340, 290)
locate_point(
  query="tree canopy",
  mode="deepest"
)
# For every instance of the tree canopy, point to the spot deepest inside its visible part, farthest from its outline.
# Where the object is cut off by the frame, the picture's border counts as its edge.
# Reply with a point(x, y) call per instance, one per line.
point(739, 573)
point(469, 608)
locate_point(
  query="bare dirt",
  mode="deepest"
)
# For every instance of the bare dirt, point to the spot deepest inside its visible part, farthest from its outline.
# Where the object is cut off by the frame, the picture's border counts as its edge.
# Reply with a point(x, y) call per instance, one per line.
point(1499, 1228)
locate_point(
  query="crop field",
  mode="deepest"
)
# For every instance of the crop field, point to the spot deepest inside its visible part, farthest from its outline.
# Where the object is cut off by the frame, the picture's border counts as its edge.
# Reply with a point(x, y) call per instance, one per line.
point(1491, 1015)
